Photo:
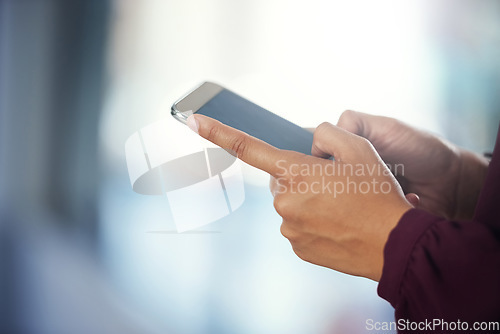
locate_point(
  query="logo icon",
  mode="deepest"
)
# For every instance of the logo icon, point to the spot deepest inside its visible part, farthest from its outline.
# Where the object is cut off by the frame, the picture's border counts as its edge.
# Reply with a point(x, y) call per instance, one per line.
point(202, 182)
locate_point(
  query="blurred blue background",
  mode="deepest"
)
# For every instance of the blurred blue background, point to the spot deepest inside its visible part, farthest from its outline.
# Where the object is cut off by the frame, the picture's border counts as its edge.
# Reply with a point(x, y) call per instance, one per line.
point(80, 252)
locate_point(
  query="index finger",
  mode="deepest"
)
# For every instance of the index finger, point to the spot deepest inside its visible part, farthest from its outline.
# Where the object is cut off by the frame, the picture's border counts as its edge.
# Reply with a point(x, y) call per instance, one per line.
point(251, 150)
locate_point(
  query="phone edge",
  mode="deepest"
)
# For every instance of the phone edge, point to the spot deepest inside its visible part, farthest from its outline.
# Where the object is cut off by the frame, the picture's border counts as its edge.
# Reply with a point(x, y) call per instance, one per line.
point(182, 116)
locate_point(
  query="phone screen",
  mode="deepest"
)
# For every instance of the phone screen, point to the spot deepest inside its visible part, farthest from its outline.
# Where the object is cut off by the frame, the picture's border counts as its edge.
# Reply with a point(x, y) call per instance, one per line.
point(239, 113)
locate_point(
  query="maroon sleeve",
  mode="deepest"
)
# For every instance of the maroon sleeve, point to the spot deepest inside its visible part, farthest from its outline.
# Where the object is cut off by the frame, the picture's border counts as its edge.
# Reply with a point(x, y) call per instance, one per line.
point(440, 269)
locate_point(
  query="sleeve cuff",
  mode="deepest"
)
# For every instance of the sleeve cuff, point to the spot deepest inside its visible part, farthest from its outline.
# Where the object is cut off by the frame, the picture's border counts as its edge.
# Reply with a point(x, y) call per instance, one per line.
point(398, 249)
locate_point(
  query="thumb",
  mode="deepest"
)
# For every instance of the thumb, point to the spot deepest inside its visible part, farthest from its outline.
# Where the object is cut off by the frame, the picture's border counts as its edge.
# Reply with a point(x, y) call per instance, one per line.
point(352, 121)
point(368, 126)
point(330, 140)
point(377, 129)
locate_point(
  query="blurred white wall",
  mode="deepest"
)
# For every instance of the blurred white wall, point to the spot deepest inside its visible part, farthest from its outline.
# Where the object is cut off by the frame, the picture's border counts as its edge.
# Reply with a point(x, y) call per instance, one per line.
point(307, 61)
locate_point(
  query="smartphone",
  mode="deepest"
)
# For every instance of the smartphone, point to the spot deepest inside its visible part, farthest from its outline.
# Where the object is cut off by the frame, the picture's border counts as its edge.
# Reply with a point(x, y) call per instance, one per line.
point(215, 101)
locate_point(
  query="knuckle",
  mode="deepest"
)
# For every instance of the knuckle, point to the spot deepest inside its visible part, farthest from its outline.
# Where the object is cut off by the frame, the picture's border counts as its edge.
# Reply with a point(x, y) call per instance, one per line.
point(349, 120)
point(285, 231)
point(213, 133)
point(319, 134)
point(345, 118)
point(279, 206)
point(322, 128)
point(289, 233)
point(239, 145)
point(283, 207)
point(347, 114)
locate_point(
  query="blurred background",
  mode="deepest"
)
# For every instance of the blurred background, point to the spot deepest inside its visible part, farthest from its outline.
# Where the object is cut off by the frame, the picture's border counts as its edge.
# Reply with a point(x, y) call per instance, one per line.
point(80, 252)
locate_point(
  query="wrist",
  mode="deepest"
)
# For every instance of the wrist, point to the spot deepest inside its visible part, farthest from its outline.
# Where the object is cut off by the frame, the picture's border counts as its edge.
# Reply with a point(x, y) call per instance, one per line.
point(387, 224)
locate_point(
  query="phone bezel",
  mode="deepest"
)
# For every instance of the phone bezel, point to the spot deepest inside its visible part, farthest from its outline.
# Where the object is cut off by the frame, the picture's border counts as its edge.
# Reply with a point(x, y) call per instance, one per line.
point(194, 100)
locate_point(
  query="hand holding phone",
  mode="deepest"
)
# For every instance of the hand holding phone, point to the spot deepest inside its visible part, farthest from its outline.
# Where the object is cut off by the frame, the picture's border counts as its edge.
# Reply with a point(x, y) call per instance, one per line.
point(336, 220)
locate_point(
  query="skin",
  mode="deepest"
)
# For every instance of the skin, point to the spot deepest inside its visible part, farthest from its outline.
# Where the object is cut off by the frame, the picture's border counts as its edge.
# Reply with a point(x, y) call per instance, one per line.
point(447, 179)
point(347, 231)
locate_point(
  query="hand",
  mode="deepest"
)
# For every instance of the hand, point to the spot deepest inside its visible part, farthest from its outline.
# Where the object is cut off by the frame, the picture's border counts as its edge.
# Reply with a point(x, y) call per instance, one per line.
point(337, 214)
point(446, 178)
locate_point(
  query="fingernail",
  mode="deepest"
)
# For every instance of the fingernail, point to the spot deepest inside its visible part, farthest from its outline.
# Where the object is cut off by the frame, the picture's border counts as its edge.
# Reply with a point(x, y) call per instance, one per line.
point(193, 123)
